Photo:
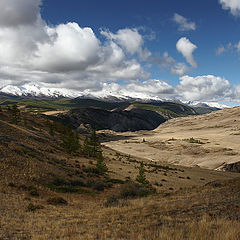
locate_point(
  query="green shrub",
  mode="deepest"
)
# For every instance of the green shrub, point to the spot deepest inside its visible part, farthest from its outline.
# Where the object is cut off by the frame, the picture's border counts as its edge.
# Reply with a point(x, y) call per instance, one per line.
point(34, 193)
point(111, 201)
point(56, 201)
point(77, 183)
point(192, 140)
point(115, 181)
point(67, 186)
point(59, 181)
point(11, 184)
point(32, 208)
point(134, 190)
point(98, 185)
point(91, 170)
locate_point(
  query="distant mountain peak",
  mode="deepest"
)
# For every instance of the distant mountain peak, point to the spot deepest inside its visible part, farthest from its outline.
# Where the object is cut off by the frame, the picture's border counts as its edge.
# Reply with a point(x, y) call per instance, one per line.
point(107, 94)
point(206, 104)
point(34, 90)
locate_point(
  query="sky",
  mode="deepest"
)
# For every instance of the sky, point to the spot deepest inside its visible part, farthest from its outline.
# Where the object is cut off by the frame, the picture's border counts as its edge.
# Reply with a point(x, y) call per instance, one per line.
point(187, 50)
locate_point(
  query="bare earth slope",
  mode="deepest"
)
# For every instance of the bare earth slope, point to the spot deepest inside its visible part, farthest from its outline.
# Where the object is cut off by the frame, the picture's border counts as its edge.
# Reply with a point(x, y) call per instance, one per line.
point(208, 141)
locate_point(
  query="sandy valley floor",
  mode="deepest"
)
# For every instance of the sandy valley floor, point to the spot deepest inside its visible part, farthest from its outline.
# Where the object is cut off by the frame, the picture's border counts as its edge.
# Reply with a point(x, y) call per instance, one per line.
point(216, 140)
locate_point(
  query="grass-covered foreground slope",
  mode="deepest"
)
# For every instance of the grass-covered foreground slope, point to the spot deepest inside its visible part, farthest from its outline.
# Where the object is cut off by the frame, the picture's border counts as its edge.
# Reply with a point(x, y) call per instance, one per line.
point(50, 192)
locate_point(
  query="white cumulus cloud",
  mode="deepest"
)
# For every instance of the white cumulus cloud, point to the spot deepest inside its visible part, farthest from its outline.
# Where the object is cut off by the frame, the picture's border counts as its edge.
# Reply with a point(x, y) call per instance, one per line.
point(129, 39)
point(72, 48)
point(232, 5)
point(65, 55)
point(205, 88)
point(15, 13)
point(238, 46)
point(183, 23)
point(186, 48)
point(220, 50)
point(169, 63)
point(149, 89)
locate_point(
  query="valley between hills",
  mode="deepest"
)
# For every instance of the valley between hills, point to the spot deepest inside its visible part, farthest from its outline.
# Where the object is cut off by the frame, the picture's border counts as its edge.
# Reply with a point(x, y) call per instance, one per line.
point(209, 141)
point(54, 188)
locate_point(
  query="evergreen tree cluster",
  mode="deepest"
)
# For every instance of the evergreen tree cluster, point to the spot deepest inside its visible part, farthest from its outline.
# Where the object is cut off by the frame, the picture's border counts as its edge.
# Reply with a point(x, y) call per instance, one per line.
point(70, 141)
point(92, 148)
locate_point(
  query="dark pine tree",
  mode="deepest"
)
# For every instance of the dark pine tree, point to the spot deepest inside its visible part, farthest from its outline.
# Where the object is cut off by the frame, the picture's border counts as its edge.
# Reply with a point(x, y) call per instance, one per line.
point(141, 177)
point(70, 141)
point(15, 114)
point(101, 166)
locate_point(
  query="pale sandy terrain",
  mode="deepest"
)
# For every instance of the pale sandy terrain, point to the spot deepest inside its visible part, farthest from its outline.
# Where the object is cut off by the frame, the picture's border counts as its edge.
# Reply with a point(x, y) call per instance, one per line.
point(218, 133)
point(48, 113)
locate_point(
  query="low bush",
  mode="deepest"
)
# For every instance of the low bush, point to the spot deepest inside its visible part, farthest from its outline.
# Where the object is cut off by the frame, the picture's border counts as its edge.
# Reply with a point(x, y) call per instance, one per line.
point(57, 201)
point(134, 190)
point(32, 207)
point(112, 201)
point(98, 184)
point(34, 193)
point(115, 181)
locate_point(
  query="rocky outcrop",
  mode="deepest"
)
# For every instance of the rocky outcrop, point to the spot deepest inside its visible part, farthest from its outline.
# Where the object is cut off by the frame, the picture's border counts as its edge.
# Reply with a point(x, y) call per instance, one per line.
point(118, 120)
point(232, 167)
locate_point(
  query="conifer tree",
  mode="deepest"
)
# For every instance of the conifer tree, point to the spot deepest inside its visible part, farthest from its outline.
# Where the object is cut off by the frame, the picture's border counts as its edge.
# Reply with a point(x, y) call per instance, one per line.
point(86, 149)
point(141, 177)
point(94, 144)
point(15, 114)
point(91, 145)
point(101, 166)
point(70, 141)
point(51, 129)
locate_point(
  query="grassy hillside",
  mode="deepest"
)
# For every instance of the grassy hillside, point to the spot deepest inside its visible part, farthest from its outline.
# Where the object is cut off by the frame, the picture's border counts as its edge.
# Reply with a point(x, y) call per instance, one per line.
point(37, 104)
point(44, 104)
point(47, 193)
point(204, 110)
point(168, 109)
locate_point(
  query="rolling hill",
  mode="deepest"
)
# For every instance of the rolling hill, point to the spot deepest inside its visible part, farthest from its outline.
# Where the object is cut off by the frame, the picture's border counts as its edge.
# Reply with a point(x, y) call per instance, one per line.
point(49, 193)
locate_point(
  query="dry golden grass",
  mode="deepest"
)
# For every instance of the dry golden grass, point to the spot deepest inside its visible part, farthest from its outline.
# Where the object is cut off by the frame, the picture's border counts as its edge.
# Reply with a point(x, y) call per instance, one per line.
point(191, 203)
point(209, 212)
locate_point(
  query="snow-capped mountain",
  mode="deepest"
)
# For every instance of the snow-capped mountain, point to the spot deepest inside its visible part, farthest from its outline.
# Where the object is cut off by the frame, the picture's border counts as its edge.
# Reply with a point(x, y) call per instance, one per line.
point(35, 90)
point(206, 104)
point(107, 93)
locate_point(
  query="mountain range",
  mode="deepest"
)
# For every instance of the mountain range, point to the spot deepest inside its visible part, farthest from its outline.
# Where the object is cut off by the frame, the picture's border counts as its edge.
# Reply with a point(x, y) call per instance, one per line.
point(35, 90)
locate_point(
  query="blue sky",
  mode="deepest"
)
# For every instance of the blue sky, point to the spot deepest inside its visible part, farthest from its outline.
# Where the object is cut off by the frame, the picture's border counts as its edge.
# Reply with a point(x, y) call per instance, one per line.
point(214, 27)
point(178, 49)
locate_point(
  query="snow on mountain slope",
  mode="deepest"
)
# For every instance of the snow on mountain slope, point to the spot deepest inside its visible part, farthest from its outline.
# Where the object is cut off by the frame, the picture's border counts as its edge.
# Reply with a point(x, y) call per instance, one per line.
point(35, 90)
point(206, 104)
point(107, 93)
